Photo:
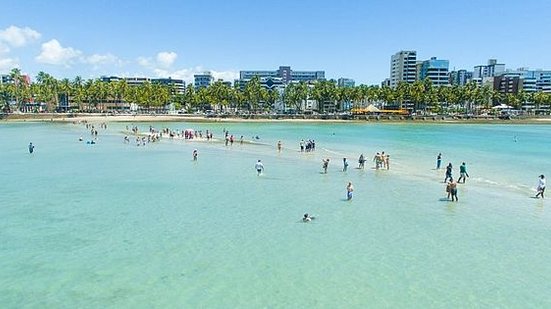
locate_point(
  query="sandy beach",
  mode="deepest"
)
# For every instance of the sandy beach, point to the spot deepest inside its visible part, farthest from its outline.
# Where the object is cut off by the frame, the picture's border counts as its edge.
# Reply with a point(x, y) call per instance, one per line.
point(56, 117)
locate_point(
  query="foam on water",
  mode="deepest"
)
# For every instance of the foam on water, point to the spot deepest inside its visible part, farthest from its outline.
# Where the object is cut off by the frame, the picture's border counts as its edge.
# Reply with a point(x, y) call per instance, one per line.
point(116, 225)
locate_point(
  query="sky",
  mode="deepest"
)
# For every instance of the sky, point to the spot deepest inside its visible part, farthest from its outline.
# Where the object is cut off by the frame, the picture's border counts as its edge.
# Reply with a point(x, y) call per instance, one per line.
point(345, 38)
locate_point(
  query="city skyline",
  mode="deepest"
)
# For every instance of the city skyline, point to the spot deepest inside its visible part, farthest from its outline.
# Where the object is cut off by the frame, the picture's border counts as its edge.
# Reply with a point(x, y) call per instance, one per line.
point(350, 39)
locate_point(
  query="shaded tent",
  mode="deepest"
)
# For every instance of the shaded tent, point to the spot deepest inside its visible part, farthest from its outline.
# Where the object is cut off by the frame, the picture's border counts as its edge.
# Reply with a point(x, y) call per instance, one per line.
point(502, 106)
point(372, 109)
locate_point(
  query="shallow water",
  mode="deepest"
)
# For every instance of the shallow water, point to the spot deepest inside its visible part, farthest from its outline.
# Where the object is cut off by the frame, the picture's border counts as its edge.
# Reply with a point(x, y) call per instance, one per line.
point(115, 225)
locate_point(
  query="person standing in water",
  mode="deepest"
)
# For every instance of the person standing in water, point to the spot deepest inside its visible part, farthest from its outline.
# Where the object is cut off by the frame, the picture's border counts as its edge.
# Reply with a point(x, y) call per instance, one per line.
point(452, 189)
point(325, 165)
point(438, 161)
point(462, 173)
point(344, 165)
point(448, 172)
point(194, 154)
point(31, 147)
point(259, 167)
point(541, 186)
point(361, 161)
point(279, 146)
point(349, 190)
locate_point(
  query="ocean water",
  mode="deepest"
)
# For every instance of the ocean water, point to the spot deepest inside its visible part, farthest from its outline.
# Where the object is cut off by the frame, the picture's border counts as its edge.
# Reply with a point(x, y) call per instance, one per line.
point(116, 225)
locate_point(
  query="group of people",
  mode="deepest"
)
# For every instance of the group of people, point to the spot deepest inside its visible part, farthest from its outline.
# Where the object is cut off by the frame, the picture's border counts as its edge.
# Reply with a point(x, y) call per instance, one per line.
point(307, 146)
point(451, 184)
point(381, 160)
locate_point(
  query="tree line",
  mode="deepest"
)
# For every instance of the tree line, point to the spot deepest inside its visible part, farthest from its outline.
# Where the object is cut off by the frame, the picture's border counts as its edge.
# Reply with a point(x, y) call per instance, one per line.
point(98, 95)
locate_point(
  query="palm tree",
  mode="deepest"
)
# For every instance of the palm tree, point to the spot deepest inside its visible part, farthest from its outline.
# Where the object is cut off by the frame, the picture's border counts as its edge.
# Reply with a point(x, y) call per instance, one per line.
point(324, 92)
point(253, 92)
point(78, 91)
point(401, 93)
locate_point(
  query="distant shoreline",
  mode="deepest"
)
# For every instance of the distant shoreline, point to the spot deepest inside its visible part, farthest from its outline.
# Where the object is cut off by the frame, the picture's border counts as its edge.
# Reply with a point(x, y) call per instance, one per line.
point(57, 117)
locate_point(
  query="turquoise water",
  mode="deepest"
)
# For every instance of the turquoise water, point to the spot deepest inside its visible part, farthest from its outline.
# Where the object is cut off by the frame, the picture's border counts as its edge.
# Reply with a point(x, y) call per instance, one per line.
point(115, 225)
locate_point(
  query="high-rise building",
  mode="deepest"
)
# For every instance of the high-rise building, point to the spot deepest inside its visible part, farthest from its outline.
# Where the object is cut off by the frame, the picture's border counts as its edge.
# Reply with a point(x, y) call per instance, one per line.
point(403, 67)
point(346, 82)
point(523, 79)
point(202, 80)
point(436, 70)
point(285, 73)
point(460, 77)
point(492, 69)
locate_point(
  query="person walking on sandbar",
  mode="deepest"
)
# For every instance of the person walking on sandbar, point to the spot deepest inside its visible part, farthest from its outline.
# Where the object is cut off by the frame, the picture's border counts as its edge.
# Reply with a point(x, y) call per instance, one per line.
point(325, 165)
point(462, 173)
point(438, 161)
point(349, 190)
point(541, 186)
point(259, 167)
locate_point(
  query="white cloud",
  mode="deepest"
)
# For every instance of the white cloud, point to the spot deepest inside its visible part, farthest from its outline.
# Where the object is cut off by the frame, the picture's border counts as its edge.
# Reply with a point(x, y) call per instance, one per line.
point(144, 62)
point(187, 74)
point(53, 53)
point(225, 75)
point(166, 59)
point(7, 64)
point(97, 59)
point(19, 37)
point(4, 49)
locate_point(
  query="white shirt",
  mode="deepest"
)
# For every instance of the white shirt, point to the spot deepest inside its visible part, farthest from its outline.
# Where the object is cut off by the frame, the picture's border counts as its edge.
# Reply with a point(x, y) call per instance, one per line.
point(259, 166)
point(541, 183)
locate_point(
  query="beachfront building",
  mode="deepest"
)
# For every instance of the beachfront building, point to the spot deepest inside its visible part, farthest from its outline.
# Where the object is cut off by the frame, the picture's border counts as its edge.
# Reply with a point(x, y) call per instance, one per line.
point(483, 74)
point(202, 80)
point(460, 77)
point(346, 82)
point(523, 79)
point(285, 73)
point(403, 67)
point(436, 70)
point(178, 85)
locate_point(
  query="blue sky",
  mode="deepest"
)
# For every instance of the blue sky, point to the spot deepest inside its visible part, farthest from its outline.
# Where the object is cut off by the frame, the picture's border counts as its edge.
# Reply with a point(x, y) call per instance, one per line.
point(345, 38)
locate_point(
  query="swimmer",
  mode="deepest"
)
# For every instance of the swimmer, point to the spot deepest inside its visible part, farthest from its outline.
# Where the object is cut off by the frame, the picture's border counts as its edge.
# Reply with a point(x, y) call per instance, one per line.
point(307, 218)
point(279, 146)
point(31, 148)
point(349, 190)
point(194, 154)
point(438, 161)
point(259, 167)
point(80, 139)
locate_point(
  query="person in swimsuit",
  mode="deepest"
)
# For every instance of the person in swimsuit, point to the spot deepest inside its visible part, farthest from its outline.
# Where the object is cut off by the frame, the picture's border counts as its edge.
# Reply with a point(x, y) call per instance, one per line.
point(259, 167)
point(349, 190)
point(31, 148)
point(438, 161)
point(452, 185)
